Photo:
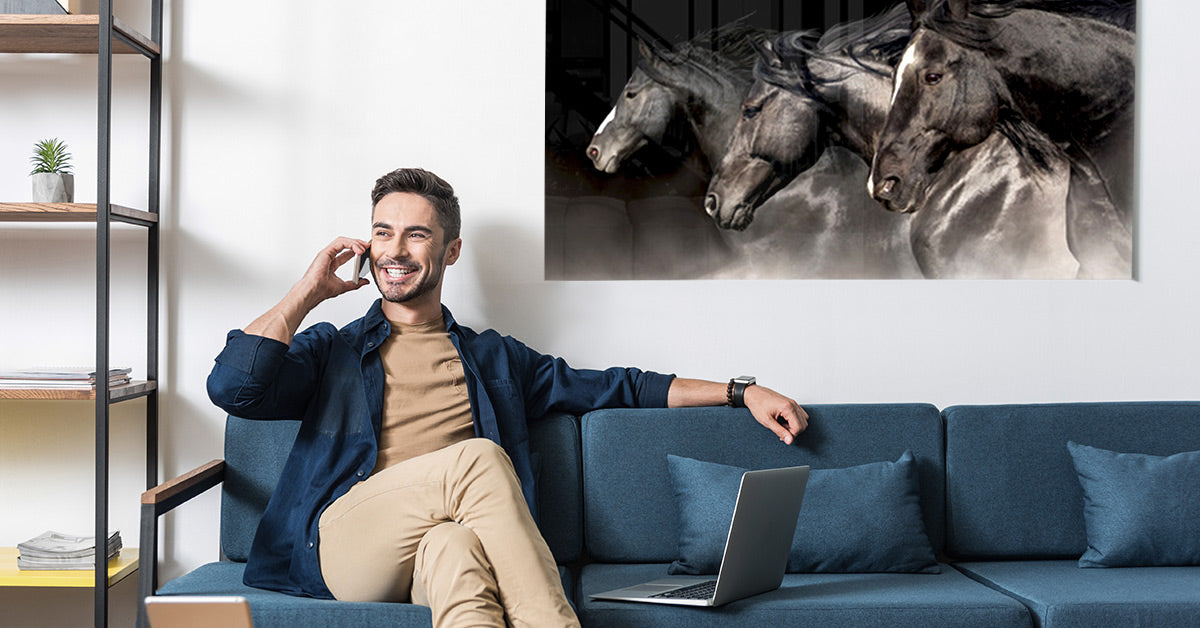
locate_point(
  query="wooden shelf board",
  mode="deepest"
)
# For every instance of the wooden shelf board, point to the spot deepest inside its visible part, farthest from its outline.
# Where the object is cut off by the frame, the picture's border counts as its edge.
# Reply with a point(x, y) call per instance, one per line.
point(10, 576)
point(67, 34)
point(116, 393)
point(66, 212)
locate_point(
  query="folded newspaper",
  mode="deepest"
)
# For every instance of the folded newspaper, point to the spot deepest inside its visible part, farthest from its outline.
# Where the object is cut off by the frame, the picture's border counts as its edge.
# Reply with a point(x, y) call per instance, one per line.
point(55, 550)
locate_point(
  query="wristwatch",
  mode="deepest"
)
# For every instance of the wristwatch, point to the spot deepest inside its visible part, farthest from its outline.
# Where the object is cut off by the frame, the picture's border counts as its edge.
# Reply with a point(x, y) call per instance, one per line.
point(737, 389)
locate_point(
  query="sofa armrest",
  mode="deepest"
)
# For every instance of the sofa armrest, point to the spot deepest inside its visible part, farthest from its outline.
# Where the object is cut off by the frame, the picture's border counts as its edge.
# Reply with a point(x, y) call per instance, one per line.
point(157, 501)
point(176, 491)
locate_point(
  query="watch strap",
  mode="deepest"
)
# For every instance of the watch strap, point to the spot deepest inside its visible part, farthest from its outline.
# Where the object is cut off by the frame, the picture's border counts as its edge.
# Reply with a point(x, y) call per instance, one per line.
point(736, 390)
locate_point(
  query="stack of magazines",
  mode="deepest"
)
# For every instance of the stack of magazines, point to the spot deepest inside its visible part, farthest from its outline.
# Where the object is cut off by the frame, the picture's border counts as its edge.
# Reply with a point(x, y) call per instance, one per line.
point(57, 551)
point(70, 378)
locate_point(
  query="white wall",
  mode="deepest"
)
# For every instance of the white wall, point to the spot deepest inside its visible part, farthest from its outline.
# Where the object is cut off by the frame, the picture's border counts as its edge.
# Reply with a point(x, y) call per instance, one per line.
point(280, 119)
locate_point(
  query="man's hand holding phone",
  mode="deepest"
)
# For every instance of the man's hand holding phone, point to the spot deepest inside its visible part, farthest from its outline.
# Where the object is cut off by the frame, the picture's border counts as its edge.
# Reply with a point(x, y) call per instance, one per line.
point(320, 282)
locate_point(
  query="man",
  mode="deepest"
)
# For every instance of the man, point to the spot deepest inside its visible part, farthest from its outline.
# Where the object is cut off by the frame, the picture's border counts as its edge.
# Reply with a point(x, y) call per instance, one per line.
point(410, 479)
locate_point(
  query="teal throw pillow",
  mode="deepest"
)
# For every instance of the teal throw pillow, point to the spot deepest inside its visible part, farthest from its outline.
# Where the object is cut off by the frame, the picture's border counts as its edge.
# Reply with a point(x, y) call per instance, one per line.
point(1139, 510)
point(858, 519)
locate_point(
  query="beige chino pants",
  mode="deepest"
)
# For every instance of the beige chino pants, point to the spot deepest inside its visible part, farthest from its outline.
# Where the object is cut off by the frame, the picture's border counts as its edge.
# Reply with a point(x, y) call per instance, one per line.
point(449, 530)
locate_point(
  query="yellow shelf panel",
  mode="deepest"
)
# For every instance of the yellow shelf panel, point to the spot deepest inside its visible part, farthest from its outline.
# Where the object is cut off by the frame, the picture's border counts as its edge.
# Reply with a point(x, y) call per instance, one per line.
point(10, 576)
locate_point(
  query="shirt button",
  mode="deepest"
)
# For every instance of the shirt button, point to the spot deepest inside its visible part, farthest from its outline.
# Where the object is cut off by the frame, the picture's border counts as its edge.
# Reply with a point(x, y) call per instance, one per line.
point(310, 545)
point(370, 344)
point(360, 474)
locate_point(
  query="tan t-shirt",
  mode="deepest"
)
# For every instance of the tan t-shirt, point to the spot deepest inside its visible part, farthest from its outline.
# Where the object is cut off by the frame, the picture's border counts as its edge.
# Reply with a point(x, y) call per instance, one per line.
point(425, 401)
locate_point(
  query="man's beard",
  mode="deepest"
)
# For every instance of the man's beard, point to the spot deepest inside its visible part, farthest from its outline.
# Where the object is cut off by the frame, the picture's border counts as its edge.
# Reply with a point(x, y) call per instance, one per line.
point(427, 280)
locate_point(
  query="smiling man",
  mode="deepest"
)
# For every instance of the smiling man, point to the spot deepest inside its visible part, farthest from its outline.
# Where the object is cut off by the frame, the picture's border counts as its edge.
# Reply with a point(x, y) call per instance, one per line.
point(411, 477)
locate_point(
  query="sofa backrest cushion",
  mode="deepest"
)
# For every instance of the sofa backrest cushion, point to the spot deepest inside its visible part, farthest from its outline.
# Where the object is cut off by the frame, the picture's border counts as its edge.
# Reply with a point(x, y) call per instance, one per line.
point(629, 507)
point(1012, 490)
point(255, 452)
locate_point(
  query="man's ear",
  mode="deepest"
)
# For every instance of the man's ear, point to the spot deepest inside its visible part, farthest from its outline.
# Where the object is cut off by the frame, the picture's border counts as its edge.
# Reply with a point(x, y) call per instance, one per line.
point(453, 250)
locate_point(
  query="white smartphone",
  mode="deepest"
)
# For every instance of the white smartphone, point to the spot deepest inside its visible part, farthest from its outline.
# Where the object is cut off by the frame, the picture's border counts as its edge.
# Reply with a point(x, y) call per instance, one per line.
point(198, 611)
point(362, 266)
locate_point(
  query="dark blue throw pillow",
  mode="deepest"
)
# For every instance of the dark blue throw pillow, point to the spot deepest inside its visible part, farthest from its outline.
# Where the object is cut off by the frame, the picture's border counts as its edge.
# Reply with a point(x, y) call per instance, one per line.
point(1139, 510)
point(858, 519)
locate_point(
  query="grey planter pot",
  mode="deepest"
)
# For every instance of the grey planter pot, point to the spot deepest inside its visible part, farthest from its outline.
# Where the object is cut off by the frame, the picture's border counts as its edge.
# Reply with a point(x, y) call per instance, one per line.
point(53, 187)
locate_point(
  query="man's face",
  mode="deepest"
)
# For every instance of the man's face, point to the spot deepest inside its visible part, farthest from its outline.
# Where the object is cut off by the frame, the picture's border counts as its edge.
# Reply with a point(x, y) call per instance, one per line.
point(408, 248)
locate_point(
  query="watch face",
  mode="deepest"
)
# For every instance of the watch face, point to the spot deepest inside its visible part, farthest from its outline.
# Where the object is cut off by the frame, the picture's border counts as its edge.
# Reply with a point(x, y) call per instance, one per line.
point(745, 379)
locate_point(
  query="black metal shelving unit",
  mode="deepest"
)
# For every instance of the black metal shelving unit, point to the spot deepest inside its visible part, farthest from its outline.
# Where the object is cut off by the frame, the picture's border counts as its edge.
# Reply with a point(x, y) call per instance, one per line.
point(104, 36)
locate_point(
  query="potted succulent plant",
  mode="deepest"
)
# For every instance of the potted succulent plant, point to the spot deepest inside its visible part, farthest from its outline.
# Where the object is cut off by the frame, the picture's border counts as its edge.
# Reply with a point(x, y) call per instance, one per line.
point(52, 178)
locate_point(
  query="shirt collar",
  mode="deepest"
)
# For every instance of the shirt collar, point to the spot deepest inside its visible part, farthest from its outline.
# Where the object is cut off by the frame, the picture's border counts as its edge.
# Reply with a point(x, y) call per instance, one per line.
point(376, 322)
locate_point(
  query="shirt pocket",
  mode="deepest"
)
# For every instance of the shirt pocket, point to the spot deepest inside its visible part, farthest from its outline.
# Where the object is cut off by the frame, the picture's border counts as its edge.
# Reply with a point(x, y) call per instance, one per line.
point(457, 376)
point(505, 397)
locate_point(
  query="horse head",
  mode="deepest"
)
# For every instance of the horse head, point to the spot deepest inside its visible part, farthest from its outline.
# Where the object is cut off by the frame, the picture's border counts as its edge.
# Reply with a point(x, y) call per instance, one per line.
point(642, 113)
point(775, 139)
point(945, 97)
point(703, 80)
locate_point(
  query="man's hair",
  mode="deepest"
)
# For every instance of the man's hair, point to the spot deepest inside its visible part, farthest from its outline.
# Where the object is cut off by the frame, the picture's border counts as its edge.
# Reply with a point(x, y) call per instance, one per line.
point(427, 185)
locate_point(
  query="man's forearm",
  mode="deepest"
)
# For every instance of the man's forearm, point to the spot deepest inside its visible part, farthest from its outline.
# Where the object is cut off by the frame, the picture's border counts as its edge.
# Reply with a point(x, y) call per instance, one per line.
point(774, 411)
point(282, 321)
point(319, 282)
point(687, 393)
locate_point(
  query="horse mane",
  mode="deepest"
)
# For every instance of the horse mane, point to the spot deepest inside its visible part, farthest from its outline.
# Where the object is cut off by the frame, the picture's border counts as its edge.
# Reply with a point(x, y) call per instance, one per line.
point(978, 29)
point(791, 73)
point(1032, 145)
point(880, 39)
point(869, 45)
point(726, 53)
point(1119, 13)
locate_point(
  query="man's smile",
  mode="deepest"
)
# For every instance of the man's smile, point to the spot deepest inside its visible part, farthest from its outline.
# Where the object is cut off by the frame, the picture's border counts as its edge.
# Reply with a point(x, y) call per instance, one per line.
point(399, 273)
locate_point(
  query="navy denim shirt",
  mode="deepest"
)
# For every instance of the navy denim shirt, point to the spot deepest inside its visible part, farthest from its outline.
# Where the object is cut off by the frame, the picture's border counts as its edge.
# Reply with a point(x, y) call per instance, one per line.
point(333, 381)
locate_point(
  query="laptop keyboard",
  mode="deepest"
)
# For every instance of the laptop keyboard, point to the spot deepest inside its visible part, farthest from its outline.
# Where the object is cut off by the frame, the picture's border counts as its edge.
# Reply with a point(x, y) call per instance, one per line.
point(701, 591)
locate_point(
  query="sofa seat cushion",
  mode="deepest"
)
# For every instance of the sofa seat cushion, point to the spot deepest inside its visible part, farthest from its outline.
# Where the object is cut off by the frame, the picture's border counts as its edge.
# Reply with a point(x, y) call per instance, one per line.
point(827, 600)
point(270, 609)
point(1061, 595)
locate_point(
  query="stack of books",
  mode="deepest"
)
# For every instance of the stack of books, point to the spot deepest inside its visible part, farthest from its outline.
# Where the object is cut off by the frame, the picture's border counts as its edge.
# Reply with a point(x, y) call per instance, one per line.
point(57, 551)
point(70, 378)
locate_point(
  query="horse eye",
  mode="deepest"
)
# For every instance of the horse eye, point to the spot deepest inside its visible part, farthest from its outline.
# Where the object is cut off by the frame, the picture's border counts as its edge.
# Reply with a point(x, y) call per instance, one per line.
point(749, 112)
point(933, 78)
point(631, 94)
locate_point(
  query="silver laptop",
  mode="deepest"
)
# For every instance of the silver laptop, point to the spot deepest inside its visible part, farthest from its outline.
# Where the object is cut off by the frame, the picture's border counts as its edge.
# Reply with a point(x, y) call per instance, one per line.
point(756, 550)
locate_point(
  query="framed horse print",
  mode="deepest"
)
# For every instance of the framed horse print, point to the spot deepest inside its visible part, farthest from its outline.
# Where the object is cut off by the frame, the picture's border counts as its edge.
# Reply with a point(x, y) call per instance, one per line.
point(856, 139)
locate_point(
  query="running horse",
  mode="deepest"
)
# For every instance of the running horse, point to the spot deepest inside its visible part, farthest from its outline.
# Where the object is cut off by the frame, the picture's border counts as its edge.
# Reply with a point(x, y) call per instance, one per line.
point(986, 214)
point(1044, 80)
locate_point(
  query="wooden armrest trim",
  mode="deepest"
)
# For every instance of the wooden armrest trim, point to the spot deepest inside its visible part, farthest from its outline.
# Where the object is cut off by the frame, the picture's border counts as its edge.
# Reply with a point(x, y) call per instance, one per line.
point(194, 482)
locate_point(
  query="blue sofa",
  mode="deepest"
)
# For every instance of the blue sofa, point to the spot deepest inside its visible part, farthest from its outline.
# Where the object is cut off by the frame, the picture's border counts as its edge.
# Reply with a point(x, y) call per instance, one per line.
point(999, 503)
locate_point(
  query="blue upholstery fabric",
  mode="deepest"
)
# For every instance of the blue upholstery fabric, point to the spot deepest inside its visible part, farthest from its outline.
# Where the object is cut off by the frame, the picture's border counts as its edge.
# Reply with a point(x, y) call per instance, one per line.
point(865, 518)
point(256, 450)
point(254, 455)
point(554, 441)
point(271, 609)
point(629, 511)
point(1139, 510)
point(1061, 595)
point(945, 600)
point(1011, 486)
